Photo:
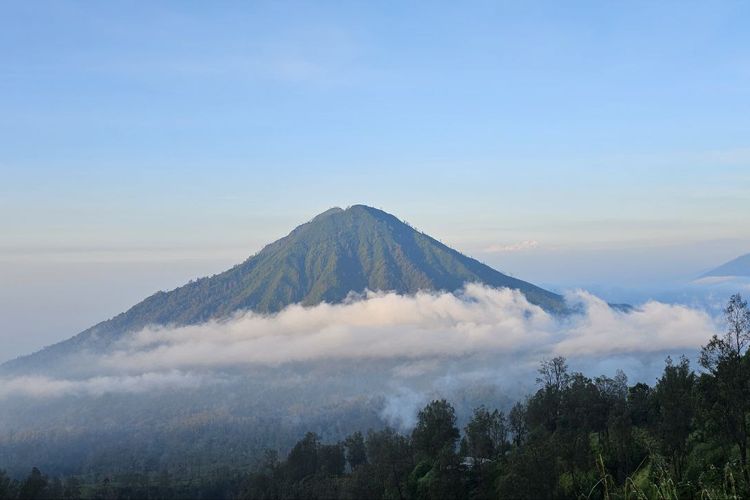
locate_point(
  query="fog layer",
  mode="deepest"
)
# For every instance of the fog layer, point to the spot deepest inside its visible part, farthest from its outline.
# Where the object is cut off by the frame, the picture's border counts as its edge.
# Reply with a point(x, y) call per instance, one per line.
point(416, 334)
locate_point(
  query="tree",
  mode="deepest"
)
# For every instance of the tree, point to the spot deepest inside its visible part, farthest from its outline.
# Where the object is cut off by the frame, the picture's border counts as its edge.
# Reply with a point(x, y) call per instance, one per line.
point(436, 429)
point(674, 396)
point(737, 316)
point(5, 485)
point(485, 435)
point(303, 459)
point(264, 481)
point(517, 423)
point(269, 462)
point(733, 345)
point(530, 472)
point(553, 373)
point(613, 389)
point(544, 406)
point(434, 438)
point(331, 459)
point(485, 439)
point(583, 406)
point(356, 452)
point(641, 405)
point(390, 459)
point(33, 486)
point(725, 389)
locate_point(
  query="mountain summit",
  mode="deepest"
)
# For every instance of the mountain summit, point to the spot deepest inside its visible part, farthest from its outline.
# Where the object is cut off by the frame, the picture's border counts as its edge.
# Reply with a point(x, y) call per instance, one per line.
point(338, 252)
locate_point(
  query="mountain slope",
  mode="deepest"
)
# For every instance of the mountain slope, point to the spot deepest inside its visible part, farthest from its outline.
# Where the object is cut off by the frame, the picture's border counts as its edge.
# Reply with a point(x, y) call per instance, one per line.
point(735, 267)
point(337, 252)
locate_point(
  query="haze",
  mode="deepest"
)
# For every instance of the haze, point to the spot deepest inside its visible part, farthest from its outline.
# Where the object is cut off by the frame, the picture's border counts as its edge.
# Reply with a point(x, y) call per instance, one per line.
point(145, 145)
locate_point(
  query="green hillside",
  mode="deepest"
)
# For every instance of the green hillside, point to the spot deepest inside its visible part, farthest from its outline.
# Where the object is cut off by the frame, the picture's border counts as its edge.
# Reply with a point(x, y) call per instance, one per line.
point(337, 252)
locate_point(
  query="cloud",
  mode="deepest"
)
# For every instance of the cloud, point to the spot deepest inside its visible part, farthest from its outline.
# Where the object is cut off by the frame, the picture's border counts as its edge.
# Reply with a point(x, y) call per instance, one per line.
point(401, 406)
point(515, 247)
point(43, 387)
point(426, 325)
point(417, 335)
point(652, 327)
point(381, 325)
point(713, 280)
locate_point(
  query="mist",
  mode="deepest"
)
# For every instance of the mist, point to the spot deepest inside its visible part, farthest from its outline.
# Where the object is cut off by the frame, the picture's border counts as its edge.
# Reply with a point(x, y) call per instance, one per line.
point(420, 334)
point(428, 325)
point(369, 362)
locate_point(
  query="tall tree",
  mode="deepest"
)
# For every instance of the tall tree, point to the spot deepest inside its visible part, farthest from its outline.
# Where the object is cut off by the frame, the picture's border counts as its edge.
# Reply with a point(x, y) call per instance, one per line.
point(641, 405)
point(553, 373)
point(674, 396)
point(331, 459)
point(725, 388)
point(485, 439)
point(517, 423)
point(390, 457)
point(436, 429)
point(356, 452)
point(544, 406)
point(33, 486)
point(486, 435)
point(303, 459)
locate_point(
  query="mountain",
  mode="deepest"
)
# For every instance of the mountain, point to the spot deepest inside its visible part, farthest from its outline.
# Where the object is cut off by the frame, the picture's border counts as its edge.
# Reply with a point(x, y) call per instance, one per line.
point(337, 252)
point(736, 267)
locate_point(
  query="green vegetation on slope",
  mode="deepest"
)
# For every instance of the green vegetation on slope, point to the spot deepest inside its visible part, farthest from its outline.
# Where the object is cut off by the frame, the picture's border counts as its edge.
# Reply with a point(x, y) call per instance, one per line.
point(338, 252)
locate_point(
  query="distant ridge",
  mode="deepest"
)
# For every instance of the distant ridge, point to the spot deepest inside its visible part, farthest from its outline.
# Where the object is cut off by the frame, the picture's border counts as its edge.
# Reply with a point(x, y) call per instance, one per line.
point(337, 252)
point(735, 267)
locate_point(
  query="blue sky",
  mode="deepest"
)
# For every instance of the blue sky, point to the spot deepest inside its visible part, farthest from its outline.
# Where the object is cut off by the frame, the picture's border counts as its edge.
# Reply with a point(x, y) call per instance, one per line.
point(145, 143)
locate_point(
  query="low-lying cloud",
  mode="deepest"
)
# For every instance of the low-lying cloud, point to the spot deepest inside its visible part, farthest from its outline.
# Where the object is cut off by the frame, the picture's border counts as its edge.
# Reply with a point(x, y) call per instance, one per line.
point(44, 387)
point(423, 330)
point(388, 325)
point(513, 247)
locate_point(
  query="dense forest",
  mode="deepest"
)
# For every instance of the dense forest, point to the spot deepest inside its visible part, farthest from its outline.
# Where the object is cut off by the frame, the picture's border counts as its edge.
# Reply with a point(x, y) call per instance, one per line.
point(576, 437)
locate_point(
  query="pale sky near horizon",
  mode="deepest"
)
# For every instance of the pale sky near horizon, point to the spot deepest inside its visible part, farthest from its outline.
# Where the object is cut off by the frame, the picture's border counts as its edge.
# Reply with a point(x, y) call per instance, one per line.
point(146, 143)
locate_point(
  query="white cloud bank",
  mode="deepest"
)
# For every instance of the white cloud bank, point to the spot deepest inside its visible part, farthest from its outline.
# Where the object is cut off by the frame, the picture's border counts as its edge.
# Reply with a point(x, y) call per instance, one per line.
point(387, 325)
point(426, 326)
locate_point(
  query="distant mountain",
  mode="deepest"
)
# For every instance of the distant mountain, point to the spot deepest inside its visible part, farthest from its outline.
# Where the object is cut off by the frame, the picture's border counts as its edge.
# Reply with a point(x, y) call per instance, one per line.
point(337, 252)
point(736, 267)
